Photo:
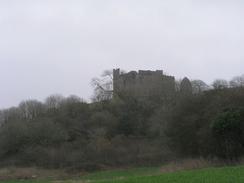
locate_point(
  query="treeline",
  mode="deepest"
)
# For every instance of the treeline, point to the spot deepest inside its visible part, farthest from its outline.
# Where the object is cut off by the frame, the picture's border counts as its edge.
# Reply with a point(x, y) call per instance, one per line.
point(209, 125)
point(68, 132)
point(124, 131)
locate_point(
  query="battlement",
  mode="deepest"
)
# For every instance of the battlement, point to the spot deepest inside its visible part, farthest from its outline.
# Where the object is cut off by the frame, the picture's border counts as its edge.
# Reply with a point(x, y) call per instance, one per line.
point(143, 83)
point(140, 73)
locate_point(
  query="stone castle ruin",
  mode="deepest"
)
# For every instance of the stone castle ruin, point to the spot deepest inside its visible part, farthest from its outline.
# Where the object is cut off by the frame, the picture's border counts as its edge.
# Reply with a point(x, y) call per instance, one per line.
point(147, 84)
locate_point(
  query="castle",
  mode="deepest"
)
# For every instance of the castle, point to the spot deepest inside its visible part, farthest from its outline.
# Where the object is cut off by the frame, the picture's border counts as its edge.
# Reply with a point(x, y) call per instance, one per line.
point(147, 84)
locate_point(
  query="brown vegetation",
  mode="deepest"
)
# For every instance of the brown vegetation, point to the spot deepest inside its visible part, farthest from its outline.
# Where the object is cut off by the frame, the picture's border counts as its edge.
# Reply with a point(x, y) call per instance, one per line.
point(15, 173)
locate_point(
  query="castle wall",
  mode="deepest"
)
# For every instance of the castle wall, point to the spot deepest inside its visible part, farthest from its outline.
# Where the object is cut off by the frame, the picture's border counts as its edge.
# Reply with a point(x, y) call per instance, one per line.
point(144, 83)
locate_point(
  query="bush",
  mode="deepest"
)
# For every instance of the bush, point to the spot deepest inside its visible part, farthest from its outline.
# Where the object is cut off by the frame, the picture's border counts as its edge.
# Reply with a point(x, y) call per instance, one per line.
point(228, 133)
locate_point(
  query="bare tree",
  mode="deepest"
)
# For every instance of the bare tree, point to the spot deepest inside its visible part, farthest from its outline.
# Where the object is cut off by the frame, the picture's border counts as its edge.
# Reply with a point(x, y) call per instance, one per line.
point(177, 84)
point(73, 99)
point(30, 109)
point(237, 81)
point(11, 114)
point(220, 84)
point(198, 86)
point(103, 86)
point(2, 120)
point(54, 101)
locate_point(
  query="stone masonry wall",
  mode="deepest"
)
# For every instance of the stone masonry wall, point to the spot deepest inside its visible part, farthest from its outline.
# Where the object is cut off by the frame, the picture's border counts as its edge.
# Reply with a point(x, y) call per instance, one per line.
point(143, 83)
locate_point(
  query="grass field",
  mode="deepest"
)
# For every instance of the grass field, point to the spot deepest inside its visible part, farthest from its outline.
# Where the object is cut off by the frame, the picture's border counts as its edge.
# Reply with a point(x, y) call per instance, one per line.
point(154, 175)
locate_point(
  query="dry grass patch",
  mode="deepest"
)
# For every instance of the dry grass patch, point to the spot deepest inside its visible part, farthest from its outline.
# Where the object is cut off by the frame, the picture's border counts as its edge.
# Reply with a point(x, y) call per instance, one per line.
point(187, 164)
point(14, 173)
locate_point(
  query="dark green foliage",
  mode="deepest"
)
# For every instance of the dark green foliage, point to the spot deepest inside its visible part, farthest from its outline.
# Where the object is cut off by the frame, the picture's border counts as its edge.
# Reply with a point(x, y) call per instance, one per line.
point(228, 133)
point(209, 125)
point(67, 132)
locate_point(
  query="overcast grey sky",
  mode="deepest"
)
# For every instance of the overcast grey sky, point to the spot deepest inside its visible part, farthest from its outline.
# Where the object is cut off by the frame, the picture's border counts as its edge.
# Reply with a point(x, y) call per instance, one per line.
point(57, 46)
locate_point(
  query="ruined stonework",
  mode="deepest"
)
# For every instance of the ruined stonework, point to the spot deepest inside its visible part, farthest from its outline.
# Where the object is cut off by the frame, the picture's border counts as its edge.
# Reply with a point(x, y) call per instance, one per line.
point(143, 83)
point(186, 86)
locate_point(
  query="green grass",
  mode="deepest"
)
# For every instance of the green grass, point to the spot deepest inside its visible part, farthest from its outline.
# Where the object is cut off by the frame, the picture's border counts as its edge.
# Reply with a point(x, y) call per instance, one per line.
point(26, 181)
point(222, 175)
point(153, 175)
point(117, 174)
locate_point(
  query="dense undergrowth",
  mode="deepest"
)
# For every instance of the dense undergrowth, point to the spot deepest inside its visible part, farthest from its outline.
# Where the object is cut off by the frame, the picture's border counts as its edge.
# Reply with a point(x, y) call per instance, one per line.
point(125, 131)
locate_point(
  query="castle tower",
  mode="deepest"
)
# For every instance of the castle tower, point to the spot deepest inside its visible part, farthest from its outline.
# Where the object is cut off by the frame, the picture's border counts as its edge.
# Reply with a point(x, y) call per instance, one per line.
point(116, 74)
point(185, 86)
